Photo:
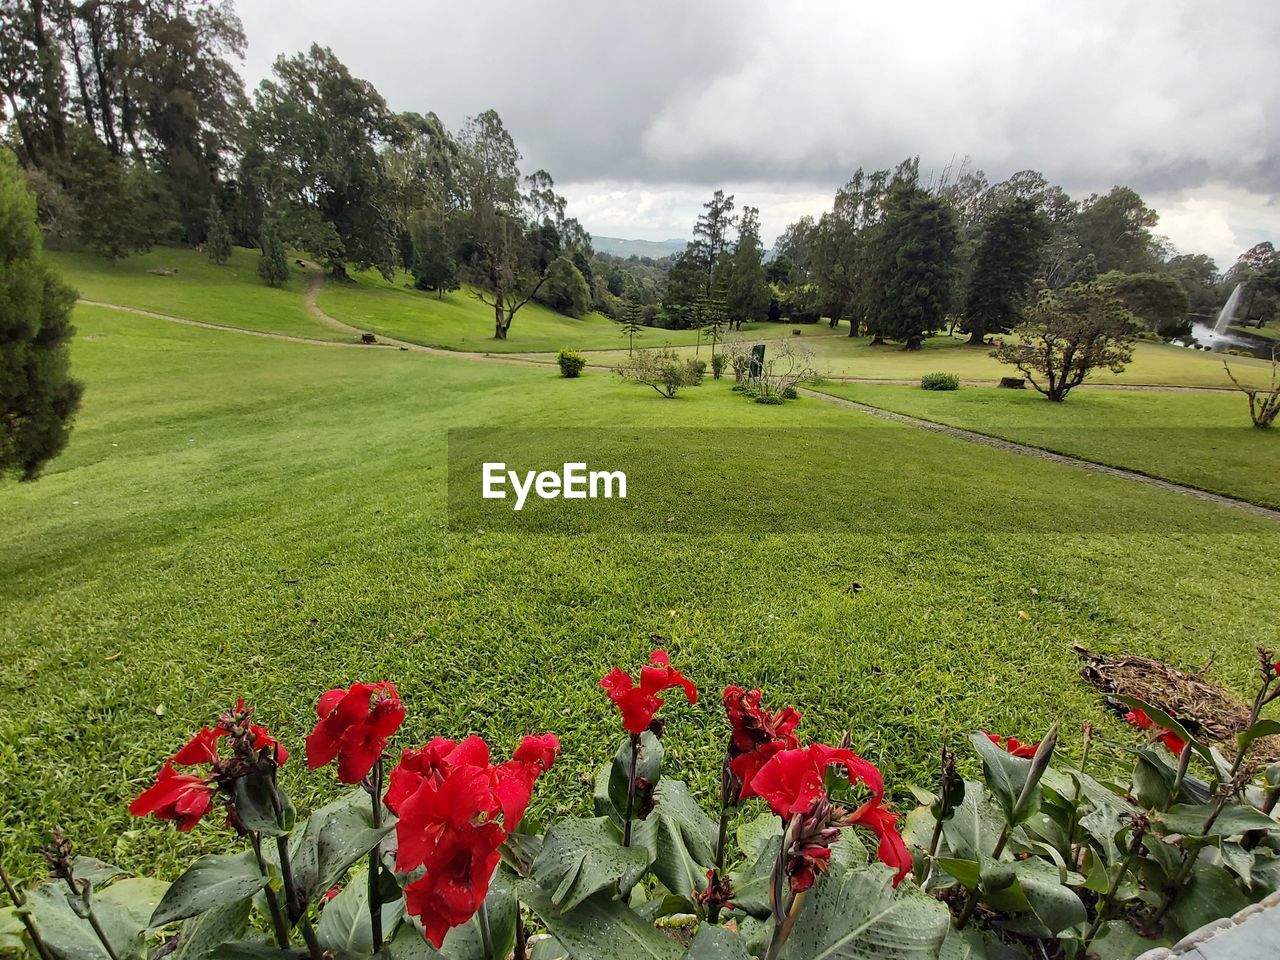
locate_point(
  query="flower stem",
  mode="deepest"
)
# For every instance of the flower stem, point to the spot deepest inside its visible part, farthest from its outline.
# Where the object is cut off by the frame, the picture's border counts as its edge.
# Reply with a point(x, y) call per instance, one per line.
point(631, 789)
point(486, 935)
point(375, 859)
point(273, 905)
point(297, 904)
point(1104, 905)
point(782, 931)
point(713, 912)
point(84, 895)
point(18, 901)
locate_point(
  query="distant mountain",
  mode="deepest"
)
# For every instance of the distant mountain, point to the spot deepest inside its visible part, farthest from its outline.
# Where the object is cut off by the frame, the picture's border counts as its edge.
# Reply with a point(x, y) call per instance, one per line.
point(640, 248)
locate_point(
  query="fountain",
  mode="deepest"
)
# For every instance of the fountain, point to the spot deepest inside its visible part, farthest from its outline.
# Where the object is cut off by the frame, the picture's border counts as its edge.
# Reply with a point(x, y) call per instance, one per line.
point(1219, 337)
point(1228, 311)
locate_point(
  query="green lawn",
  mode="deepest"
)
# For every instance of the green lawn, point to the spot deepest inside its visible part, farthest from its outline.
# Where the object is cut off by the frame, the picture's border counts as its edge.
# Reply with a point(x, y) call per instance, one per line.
point(231, 294)
point(1202, 439)
point(1153, 363)
point(460, 321)
point(239, 516)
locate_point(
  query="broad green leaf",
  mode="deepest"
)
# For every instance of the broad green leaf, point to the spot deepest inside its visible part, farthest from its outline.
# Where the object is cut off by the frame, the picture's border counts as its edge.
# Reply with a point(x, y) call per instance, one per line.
point(344, 922)
point(1211, 893)
point(327, 844)
point(122, 909)
point(966, 872)
point(97, 872)
point(974, 944)
point(857, 915)
point(1234, 820)
point(1263, 728)
point(255, 950)
point(202, 935)
point(599, 928)
point(754, 835)
point(1119, 941)
point(13, 934)
point(680, 839)
point(972, 833)
point(409, 943)
point(256, 807)
point(1006, 775)
point(751, 880)
point(614, 778)
point(1055, 908)
point(716, 943)
point(212, 881)
point(583, 857)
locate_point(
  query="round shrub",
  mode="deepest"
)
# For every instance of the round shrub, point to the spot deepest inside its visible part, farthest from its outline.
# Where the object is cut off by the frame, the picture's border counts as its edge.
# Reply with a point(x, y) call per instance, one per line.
point(769, 398)
point(940, 381)
point(571, 362)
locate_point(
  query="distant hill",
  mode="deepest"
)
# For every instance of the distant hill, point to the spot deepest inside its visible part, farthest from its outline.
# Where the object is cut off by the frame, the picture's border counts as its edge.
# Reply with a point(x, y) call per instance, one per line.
point(640, 248)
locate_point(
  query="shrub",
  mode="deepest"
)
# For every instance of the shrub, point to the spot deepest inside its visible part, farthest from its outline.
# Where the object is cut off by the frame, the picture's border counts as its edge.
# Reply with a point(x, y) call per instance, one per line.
point(769, 398)
point(663, 370)
point(697, 371)
point(789, 393)
point(718, 363)
point(940, 381)
point(571, 362)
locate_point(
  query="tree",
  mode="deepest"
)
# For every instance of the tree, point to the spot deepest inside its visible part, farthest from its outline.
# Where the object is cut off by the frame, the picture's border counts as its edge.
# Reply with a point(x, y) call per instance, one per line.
point(746, 288)
point(217, 242)
point(663, 370)
point(711, 234)
point(915, 259)
point(685, 283)
point(318, 134)
point(1264, 402)
point(434, 266)
point(1157, 299)
point(1069, 334)
point(630, 321)
point(565, 290)
point(1198, 275)
point(38, 398)
point(1005, 264)
point(273, 266)
point(1116, 229)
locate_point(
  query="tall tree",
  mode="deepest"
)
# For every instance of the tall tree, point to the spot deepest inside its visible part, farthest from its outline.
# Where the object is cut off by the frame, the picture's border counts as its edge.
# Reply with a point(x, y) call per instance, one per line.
point(711, 234)
point(318, 133)
point(746, 289)
point(1006, 262)
point(434, 265)
point(1116, 229)
point(1199, 277)
point(915, 258)
point(217, 241)
point(38, 398)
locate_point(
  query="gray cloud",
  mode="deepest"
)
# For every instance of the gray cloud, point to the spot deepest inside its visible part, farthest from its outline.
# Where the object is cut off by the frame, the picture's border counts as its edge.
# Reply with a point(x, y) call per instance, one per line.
point(1167, 97)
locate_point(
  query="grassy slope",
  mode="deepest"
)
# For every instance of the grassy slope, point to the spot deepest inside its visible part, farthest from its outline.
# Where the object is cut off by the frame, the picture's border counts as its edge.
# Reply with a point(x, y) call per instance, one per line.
point(196, 543)
point(1203, 439)
point(459, 321)
point(1153, 363)
point(231, 294)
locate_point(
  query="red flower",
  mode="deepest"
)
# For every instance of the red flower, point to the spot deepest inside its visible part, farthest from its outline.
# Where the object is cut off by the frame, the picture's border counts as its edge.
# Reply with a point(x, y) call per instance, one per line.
point(757, 734)
point(793, 779)
point(180, 797)
point(455, 809)
point(809, 851)
point(1171, 740)
point(354, 727)
point(1013, 746)
point(639, 704)
point(892, 850)
point(203, 747)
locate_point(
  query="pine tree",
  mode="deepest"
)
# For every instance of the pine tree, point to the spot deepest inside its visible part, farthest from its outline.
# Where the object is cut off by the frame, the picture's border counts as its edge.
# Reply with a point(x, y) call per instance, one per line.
point(217, 242)
point(630, 323)
point(915, 258)
point(38, 398)
point(274, 265)
point(1008, 256)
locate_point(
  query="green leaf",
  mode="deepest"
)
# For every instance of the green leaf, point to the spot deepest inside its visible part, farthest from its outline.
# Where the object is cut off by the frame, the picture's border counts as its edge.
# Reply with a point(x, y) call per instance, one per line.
point(255, 805)
point(716, 943)
point(212, 881)
point(1162, 719)
point(971, 834)
point(599, 928)
point(583, 857)
point(254, 950)
point(122, 909)
point(1211, 893)
point(967, 872)
point(1263, 728)
point(614, 777)
point(344, 922)
point(857, 915)
point(203, 934)
point(1006, 775)
point(1055, 907)
point(327, 844)
point(974, 944)
point(680, 839)
point(754, 835)
point(409, 943)
point(1119, 941)
point(13, 934)
point(97, 872)
point(1234, 820)
point(751, 880)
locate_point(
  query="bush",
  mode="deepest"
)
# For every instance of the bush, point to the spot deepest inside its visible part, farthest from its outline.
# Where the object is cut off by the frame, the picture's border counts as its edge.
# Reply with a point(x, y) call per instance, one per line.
point(697, 370)
point(769, 398)
point(789, 393)
point(718, 363)
point(571, 363)
point(663, 370)
point(940, 381)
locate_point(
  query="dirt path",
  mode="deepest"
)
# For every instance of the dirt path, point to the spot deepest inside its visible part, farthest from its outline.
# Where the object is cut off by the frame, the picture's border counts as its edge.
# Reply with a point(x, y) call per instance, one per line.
point(316, 280)
point(1009, 446)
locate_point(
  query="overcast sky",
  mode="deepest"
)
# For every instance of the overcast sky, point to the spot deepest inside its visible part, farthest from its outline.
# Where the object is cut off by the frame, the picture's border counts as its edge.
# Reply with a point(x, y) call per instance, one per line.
point(640, 110)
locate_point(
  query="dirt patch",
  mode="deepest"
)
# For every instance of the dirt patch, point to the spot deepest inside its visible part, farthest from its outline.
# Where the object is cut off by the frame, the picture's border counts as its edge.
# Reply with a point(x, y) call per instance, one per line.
point(1206, 709)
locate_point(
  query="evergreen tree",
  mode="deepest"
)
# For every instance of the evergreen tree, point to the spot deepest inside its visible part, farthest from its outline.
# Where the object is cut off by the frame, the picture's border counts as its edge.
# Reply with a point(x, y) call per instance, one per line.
point(747, 292)
point(915, 260)
point(434, 265)
point(1006, 263)
point(273, 267)
point(38, 398)
point(712, 235)
point(217, 242)
point(629, 320)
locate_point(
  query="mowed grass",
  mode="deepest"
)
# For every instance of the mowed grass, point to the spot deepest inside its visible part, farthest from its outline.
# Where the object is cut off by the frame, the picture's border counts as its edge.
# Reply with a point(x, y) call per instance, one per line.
point(1202, 439)
point(843, 357)
point(460, 321)
point(230, 294)
point(246, 517)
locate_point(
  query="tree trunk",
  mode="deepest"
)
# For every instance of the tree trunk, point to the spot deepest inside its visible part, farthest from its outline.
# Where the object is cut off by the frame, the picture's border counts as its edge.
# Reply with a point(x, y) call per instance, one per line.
point(977, 336)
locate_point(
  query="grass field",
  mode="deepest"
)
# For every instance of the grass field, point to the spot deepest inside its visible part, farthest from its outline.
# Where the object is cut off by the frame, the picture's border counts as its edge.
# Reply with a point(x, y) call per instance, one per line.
point(1202, 439)
point(231, 294)
point(240, 516)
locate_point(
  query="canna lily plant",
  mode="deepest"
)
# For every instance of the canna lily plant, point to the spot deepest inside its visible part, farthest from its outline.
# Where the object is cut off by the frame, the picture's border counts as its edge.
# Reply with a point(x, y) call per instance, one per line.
point(427, 856)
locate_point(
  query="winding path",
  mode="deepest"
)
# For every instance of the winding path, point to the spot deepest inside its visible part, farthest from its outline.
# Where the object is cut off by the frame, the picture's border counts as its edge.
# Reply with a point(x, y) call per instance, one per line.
point(316, 280)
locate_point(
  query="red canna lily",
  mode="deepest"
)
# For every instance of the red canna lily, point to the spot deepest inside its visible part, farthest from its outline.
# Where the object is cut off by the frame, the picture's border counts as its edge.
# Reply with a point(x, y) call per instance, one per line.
point(354, 727)
point(1013, 745)
point(203, 747)
point(640, 704)
point(793, 779)
point(1174, 743)
point(884, 823)
point(179, 797)
point(455, 809)
point(757, 734)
